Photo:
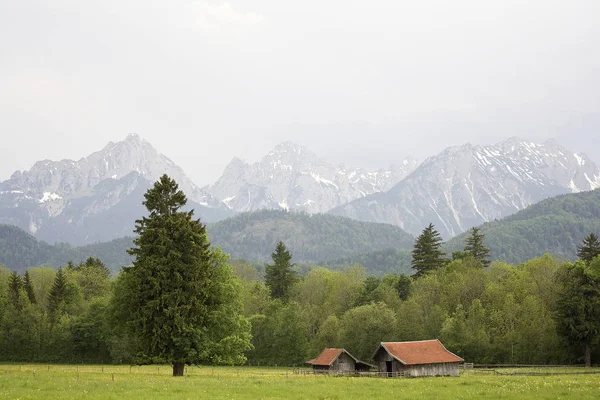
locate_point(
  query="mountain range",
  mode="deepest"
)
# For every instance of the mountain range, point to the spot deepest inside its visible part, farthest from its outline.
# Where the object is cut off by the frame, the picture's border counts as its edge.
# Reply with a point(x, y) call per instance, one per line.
point(468, 185)
point(293, 177)
point(98, 197)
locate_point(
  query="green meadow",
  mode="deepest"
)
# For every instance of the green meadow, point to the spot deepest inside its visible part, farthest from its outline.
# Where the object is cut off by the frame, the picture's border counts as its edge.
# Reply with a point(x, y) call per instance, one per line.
point(153, 382)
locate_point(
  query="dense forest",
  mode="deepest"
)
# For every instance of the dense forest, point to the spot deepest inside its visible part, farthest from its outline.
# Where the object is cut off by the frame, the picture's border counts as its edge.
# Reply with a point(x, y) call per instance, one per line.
point(501, 314)
point(312, 238)
point(20, 250)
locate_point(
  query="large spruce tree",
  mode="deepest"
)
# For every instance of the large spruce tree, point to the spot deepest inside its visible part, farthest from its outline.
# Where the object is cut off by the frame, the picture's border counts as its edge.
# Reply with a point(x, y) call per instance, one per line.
point(475, 247)
point(179, 299)
point(15, 285)
point(29, 288)
point(589, 249)
point(426, 255)
point(279, 276)
point(578, 305)
point(57, 296)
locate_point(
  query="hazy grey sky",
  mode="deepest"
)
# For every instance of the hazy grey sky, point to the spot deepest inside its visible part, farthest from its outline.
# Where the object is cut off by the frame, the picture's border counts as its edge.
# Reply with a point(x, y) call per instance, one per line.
point(363, 82)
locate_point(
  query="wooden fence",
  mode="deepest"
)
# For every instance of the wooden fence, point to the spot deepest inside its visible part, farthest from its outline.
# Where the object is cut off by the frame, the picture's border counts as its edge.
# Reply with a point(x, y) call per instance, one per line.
point(349, 373)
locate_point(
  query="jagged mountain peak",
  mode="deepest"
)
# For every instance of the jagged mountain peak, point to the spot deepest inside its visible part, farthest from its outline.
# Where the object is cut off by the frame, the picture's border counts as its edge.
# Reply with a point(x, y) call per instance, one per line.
point(292, 177)
point(288, 155)
point(464, 186)
point(41, 198)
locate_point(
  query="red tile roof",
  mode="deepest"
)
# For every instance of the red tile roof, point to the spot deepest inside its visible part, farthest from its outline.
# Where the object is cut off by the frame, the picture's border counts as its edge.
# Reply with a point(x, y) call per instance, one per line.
point(327, 357)
point(421, 352)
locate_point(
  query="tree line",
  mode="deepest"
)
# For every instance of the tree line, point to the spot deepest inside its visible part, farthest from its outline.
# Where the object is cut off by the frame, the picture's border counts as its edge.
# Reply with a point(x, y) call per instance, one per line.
point(182, 302)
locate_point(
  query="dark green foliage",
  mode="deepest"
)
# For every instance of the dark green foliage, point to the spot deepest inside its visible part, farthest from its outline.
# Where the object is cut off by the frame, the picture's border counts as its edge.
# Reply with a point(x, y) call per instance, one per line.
point(19, 250)
point(589, 249)
point(90, 334)
point(58, 295)
point(403, 286)
point(279, 276)
point(578, 305)
point(15, 286)
point(279, 336)
point(426, 255)
point(180, 298)
point(28, 285)
point(555, 226)
point(475, 247)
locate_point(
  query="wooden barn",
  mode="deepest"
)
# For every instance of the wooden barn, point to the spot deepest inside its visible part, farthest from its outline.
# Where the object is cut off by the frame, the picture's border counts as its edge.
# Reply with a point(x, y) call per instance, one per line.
point(338, 360)
point(421, 358)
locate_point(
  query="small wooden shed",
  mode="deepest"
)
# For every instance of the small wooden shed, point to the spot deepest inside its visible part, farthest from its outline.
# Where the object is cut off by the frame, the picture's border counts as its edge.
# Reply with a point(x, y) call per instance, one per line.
point(338, 360)
point(420, 358)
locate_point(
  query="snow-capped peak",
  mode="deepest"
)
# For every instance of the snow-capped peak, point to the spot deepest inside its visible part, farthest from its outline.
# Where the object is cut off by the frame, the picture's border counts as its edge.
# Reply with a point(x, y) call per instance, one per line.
point(291, 176)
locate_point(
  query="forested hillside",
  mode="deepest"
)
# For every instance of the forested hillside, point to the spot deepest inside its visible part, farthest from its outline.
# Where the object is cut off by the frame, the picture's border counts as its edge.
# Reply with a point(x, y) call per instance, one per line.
point(555, 226)
point(19, 250)
point(378, 263)
point(250, 236)
point(311, 238)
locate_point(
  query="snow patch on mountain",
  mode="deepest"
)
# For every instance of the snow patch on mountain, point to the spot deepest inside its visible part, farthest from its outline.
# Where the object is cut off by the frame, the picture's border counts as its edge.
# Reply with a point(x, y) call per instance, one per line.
point(467, 185)
point(292, 177)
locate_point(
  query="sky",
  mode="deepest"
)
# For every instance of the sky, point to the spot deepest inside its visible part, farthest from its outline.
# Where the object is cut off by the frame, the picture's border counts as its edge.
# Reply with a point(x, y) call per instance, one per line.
point(363, 83)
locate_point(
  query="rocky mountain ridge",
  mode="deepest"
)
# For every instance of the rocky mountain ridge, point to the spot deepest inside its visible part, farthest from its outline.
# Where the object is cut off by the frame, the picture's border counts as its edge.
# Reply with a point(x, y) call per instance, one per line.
point(468, 185)
point(77, 200)
point(291, 177)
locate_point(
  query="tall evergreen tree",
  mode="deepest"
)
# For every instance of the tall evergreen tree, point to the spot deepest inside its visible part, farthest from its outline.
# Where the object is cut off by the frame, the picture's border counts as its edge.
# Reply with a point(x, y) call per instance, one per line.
point(179, 299)
point(29, 288)
point(578, 305)
point(57, 295)
point(475, 247)
point(426, 255)
point(15, 285)
point(279, 276)
point(589, 249)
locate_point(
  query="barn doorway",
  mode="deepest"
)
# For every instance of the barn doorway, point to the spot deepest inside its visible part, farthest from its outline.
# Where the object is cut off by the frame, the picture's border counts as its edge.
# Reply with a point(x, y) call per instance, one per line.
point(388, 368)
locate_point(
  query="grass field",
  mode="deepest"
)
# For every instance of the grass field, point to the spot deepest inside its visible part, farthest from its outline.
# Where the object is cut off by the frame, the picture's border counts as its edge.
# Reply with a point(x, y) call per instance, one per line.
point(150, 382)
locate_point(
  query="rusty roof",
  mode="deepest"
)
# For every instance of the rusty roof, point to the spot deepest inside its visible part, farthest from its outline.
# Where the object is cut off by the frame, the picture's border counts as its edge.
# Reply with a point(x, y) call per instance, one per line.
point(327, 357)
point(420, 352)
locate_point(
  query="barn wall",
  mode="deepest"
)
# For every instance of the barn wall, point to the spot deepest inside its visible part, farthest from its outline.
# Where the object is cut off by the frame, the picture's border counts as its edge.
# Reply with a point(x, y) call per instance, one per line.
point(380, 358)
point(344, 363)
point(441, 369)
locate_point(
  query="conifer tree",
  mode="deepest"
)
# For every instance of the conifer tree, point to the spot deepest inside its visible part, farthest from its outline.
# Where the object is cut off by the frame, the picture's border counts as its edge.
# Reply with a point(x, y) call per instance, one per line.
point(475, 247)
point(29, 288)
point(578, 305)
point(57, 295)
point(179, 299)
point(589, 249)
point(15, 284)
point(426, 255)
point(279, 276)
